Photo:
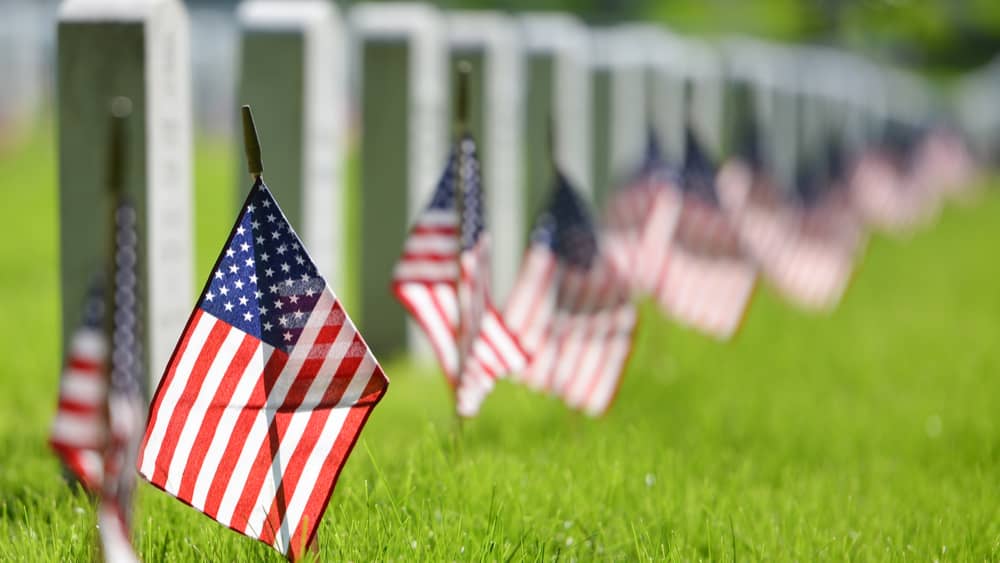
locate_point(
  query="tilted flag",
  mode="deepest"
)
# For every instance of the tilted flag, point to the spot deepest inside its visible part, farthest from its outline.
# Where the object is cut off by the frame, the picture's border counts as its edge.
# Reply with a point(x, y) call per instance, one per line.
point(266, 392)
point(125, 401)
point(79, 430)
point(452, 304)
point(707, 281)
point(641, 218)
point(570, 308)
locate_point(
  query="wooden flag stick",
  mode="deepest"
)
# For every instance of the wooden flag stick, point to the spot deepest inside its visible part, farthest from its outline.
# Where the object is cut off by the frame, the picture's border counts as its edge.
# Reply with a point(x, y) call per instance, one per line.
point(251, 144)
point(461, 183)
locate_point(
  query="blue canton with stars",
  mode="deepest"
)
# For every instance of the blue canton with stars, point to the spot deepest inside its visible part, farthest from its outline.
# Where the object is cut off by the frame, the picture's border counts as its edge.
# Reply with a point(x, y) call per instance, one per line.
point(473, 222)
point(566, 226)
point(265, 283)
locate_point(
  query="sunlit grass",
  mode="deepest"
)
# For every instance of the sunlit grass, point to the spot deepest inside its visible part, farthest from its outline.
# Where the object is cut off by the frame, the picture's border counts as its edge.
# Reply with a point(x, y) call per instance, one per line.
point(871, 434)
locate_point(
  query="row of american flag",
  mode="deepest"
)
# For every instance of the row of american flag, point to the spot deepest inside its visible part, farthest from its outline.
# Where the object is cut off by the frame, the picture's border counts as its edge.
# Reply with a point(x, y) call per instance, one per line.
point(271, 383)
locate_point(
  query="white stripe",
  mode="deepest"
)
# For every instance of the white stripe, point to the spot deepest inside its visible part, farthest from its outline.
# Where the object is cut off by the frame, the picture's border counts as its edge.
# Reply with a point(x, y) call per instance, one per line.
point(82, 387)
point(297, 425)
point(611, 373)
point(327, 438)
point(115, 543)
point(196, 416)
point(262, 422)
point(172, 393)
point(437, 218)
point(431, 270)
point(242, 393)
point(503, 341)
point(89, 344)
point(76, 429)
point(431, 244)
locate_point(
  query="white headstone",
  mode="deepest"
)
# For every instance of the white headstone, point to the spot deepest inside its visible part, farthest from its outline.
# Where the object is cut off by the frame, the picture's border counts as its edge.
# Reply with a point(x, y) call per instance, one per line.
point(137, 49)
point(665, 76)
point(403, 96)
point(493, 39)
point(563, 42)
point(293, 75)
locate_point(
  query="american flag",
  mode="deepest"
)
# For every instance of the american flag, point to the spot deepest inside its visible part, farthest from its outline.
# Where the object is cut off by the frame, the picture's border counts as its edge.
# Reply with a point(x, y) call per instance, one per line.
point(641, 217)
point(125, 400)
point(266, 392)
point(706, 281)
point(452, 304)
point(79, 430)
point(571, 308)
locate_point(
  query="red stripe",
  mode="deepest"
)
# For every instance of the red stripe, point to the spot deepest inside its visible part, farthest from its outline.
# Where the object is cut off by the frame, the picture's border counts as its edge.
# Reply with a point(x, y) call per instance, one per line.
point(85, 366)
point(434, 257)
point(220, 401)
point(76, 407)
point(257, 401)
point(167, 379)
point(175, 425)
point(261, 466)
point(323, 488)
point(422, 320)
point(297, 462)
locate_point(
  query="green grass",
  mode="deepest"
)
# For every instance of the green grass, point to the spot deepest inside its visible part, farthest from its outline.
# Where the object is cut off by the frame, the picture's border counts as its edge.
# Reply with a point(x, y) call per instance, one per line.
point(870, 434)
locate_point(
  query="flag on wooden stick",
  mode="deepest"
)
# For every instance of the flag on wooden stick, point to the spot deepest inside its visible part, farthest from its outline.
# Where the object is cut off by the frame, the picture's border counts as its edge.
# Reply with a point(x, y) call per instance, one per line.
point(571, 308)
point(267, 390)
point(443, 281)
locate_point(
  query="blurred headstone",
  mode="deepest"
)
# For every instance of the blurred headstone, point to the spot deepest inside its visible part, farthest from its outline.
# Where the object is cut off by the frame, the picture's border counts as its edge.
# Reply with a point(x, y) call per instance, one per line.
point(619, 107)
point(138, 50)
point(23, 66)
point(214, 41)
point(403, 85)
point(704, 72)
point(293, 75)
point(558, 92)
point(665, 80)
point(489, 42)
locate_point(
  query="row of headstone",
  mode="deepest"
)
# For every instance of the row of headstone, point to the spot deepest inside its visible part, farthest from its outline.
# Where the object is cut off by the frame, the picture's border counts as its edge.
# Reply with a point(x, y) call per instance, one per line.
point(538, 79)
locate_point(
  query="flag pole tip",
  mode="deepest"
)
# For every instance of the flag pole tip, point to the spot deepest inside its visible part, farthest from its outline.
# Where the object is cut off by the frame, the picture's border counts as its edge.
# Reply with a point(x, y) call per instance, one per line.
point(251, 143)
point(121, 107)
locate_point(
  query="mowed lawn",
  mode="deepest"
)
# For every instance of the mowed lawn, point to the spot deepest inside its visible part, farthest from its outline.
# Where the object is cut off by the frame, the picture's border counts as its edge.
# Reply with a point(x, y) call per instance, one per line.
point(869, 434)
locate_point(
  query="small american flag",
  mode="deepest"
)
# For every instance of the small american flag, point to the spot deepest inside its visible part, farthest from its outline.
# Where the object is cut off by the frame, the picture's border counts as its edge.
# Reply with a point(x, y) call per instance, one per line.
point(641, 218)
point(571, 309)
point(707, 281)
point(79, 430)
point(266, 392)
point(452, 304)
point(125, 400)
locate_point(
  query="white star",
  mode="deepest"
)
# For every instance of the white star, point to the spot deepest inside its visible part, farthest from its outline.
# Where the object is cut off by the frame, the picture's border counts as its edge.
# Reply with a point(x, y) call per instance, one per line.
point(228, 305)
point(295, 245)
point(253, 278)
point(270, 217)
point(285, 267)
point(305, 277)
point(288, 335)
point(274, 289)
point(257, 295)
point(248, 262)
point(278, 304)
point(209, 296)
point(250, 208)
point(310, 292)
point(240, 230)
point(238, 284)
point(243, 301)
point(266, 203)
point(298, 315)
point(255, 224)
point(218, 274)
point(289, 282)
point(260, 239)
point(268, 326)
point(234, 269)
point(275, 235)
point(269, 272)
point(265, 257)
point(293, 298)
point(282, 249)
point(244, 247)
point(230, 252)
point(300, 259)
point(263, 310)
point(247, 316)
point(283, 320)
point(223, 290)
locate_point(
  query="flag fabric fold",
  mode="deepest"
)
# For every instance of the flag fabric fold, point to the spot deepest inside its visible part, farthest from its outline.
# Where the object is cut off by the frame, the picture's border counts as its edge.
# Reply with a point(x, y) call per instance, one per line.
point(571, 308)
point(442, 279)
point(266, 392)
